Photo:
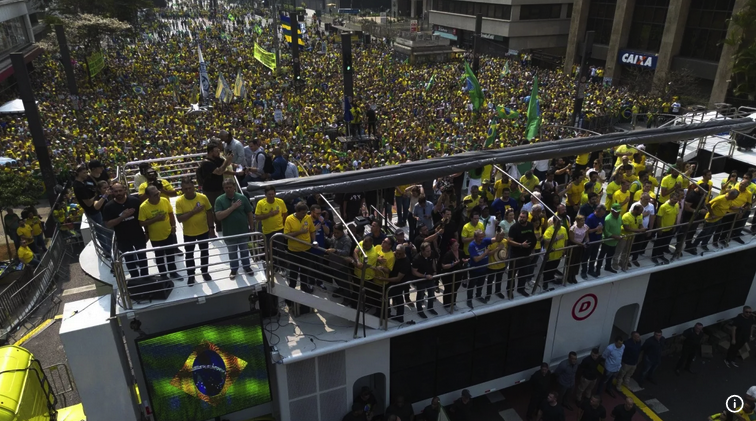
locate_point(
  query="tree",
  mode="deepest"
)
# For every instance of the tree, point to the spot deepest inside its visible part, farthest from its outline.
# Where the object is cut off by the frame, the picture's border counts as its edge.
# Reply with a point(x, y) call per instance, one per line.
point(743, 38)
point(124, 10)
point(675, 83)
point(87, 31)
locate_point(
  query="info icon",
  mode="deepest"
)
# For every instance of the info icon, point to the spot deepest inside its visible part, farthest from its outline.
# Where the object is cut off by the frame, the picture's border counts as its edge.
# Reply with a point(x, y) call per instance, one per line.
point(734, 404)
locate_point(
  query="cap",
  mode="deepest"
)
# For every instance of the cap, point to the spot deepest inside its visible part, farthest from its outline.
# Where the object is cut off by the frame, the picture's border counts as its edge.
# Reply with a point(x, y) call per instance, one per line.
point(399, 232)
point(94, 164)
point(752, 392)
point(616, 207)
point(466, 393)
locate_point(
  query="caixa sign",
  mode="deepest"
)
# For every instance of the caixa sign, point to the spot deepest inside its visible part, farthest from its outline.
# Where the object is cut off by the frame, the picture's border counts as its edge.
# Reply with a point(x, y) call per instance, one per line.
point(647, 61)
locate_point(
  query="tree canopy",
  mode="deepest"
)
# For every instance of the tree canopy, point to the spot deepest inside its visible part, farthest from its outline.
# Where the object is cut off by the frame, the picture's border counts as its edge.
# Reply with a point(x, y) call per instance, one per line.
point(743, 37)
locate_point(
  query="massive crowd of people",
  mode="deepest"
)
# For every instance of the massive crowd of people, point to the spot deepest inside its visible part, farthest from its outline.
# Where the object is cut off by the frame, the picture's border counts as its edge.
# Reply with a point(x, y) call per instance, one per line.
point(136, 108)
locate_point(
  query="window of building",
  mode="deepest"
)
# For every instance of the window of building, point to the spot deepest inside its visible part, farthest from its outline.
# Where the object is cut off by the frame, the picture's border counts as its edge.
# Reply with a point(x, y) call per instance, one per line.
point(601, 19)
point(540, 11)
point(493, 11)
point(647, 27)
point(13, 33)
point(705, 29)
point(569, 10)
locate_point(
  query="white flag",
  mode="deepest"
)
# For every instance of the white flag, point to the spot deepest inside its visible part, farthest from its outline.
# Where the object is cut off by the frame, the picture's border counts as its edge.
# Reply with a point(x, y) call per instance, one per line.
point(204, 80)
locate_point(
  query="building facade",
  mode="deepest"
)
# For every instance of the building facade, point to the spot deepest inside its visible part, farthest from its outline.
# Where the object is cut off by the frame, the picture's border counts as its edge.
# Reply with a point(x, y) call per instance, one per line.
point(17, 34)
point(517, 25)
point(657, 36)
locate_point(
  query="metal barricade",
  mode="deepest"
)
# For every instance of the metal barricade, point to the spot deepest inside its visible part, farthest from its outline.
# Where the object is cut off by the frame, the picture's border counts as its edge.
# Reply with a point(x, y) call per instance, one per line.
point(234, 247)
point(24, 295)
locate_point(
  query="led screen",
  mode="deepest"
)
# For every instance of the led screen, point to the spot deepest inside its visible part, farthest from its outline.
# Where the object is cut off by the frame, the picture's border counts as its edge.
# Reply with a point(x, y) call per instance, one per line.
point(206, 371)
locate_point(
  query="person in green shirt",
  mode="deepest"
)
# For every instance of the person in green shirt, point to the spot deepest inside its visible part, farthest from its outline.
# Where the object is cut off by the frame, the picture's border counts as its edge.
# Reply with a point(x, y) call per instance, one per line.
point(234, 212)
point(612, 235)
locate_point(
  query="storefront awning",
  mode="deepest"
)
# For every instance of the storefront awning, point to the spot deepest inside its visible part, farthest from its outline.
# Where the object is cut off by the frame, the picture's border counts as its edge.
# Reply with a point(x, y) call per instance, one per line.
point(445, 35)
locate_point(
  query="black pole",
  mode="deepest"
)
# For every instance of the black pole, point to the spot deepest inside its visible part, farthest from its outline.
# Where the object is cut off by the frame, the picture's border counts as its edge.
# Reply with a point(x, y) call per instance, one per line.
point(582, 77)
point(35, 124)
point(295, 46)
point(65, 57)
point(346, 54)
point(476, 43)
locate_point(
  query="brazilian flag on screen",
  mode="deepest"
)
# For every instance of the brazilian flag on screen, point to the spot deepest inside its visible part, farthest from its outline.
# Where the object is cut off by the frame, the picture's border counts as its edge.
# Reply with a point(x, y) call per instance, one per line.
point(286, 26)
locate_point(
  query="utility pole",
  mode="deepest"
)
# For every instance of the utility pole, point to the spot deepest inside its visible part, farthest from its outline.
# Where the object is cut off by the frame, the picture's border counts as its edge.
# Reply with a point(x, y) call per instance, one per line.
point(295, 47)
point(582, 77)
point(35, 124)
point(476, 43)
point(346, 55)
point(65, 57)
point(274, 13)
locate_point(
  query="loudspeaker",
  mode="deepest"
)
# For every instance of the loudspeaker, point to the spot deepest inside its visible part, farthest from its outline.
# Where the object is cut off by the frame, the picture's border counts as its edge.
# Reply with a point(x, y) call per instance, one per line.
point(148, 289)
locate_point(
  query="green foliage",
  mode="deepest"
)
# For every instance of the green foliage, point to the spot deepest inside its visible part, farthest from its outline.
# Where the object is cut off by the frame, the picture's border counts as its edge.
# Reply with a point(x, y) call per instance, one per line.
point(743, 37)
point(85, 30)
point(18, 190)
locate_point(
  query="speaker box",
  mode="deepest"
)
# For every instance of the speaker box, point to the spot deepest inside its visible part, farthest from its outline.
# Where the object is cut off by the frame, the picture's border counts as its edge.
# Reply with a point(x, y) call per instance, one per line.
point(148, 289)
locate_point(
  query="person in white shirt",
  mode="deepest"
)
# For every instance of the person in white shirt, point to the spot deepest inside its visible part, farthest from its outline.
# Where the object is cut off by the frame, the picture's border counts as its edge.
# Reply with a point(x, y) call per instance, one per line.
point(254, 157)
point(489, 222)
point(649, 218)
point(232, 145)
point(291, 170)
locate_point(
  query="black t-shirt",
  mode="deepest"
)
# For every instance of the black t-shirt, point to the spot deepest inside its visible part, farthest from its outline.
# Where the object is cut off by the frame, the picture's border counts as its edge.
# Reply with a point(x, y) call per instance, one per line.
point(461, 410)
point(621, 414)
point(520, 234)
point(742, 327)
point(370, 115)
point(430, 413)
point(693, 198)
point(402, 266)
point(104, 176)
point(448, 259)
point(86, 190)
point(451, 230)
point(353, 203)
point(212, 182)
point(590, 367)
point(590, 413)
point(404, 413)
point(552, 413)
point(129, 229)
point(423, 265)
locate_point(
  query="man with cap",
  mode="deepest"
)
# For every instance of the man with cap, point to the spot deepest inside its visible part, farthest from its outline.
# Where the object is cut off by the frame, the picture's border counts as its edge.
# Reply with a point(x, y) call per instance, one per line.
point(461, 409)
point(165, 188)
point(97, 171)
point(612, 233)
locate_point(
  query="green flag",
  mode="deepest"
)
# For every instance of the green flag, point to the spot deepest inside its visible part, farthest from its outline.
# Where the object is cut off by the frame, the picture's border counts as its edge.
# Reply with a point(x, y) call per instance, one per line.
point(473, 88)
point(534, 112)
point(429, 84)
point(505, 70)
point(507, 113)
point(492, 134)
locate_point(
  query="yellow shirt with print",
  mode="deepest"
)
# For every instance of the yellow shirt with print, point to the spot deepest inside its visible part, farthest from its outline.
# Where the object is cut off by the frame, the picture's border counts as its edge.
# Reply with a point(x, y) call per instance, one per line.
point(197, 224)
point(389, 258)
point(500, 185)
point(667, 214)
point(25, 254)
point(275, 222)
point(632, 221)
point(637, 195)
point(293, 224)
point(166, 188)
point(159, 230)
point(372, 260)
point(467, 231)
point(531, 183)
point(25, 231)
point(669, 182)
point(495, 263)
point(556, 248)
point(611, 188)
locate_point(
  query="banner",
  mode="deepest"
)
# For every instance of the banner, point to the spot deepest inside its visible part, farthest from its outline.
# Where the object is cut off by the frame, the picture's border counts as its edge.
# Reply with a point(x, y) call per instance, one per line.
point(267, 59)
point(239, 89)
point(95, 63)
point(204, 80)
point(223, 91)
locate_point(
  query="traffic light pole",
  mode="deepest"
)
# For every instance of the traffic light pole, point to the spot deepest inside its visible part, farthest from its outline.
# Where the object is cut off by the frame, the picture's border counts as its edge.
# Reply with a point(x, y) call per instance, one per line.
point(476, 43)
point(582, 78)
point(295, 47)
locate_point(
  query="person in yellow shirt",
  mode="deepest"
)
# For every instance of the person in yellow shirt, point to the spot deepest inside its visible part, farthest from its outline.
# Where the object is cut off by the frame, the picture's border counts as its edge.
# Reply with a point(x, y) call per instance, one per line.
point(166, 190)
point(623, 196)
point(505, 183)
point(717, 208)
point(582, 160)
point(468, 231)
point(300, 231)
point(473, 199)
point(559, 238)
point(613, 187)
point(672, 182)
point(666, 218)
point(25, 254)
point(623, 151)
point(574, 191)
point(24, 230)
point(156, 214)
point(36, 224)
point(744, 202)
point(648, 187)
point(529, 181)
point(194, 212)
point(272, 212)
point(497, 265)
point(632, 226)
point(402, 196)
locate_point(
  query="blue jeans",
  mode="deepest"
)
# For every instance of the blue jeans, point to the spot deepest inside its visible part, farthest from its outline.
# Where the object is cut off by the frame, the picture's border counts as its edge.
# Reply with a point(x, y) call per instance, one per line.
point(39, 241)
point(606, 381)
point(649, 367)
point(97, 217)
point(234, 246)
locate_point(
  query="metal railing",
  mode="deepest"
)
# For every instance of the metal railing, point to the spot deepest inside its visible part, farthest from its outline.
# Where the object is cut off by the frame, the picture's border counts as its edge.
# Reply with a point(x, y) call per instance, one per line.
point(148, 272)
point(25, 294)
point(171, 169)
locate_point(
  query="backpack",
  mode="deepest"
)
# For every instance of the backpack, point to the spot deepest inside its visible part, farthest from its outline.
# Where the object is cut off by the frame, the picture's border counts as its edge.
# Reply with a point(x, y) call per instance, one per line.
point(268, 165)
